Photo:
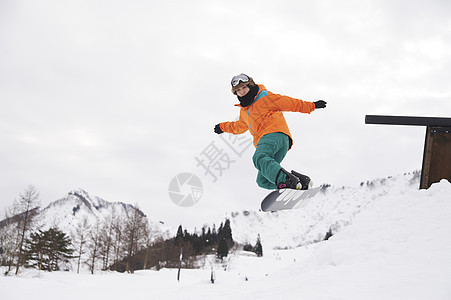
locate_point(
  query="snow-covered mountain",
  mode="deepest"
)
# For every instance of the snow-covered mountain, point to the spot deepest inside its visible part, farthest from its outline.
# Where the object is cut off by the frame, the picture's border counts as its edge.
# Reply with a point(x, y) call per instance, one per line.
point(68, 212)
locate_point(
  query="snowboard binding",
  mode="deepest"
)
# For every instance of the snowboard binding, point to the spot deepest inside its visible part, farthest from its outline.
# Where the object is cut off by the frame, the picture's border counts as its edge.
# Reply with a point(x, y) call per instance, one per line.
point(294, 180)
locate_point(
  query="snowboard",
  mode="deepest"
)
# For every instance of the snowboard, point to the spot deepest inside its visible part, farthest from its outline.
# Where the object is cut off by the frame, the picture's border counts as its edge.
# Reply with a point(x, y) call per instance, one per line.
point(284, 199)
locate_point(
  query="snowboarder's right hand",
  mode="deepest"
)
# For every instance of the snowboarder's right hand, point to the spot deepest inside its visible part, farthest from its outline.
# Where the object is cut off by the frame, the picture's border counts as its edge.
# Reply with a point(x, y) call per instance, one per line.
point(218, 129)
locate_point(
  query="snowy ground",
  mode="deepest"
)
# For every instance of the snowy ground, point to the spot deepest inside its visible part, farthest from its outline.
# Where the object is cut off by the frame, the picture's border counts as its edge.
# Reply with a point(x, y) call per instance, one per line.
point(399, 247)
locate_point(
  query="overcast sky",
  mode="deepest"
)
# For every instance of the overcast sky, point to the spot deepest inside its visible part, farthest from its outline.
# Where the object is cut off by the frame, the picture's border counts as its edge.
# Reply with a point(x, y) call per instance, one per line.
point(118, 97)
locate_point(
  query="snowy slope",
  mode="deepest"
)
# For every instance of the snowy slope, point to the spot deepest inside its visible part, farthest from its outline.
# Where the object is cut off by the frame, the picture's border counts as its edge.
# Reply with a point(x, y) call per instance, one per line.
point(334, 209)
point(397, 247)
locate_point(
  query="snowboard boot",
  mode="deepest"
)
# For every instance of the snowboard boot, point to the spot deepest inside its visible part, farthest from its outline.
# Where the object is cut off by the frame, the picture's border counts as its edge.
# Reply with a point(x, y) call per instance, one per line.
point(291, 181)
point(304, 180)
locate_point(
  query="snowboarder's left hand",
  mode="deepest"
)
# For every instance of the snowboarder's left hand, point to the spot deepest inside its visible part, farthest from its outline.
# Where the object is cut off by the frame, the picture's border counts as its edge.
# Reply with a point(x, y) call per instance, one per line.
point(218, 129)
point(320, 104)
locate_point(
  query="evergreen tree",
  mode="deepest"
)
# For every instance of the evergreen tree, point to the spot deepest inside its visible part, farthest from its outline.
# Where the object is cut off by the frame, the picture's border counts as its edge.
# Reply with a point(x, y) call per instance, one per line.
point(225, 239)
point(214, 235)
point(227, 234)
point(186, 236)
point(219, 233)
point(179, 236)
point(36, 251)
point(329, 234)
point(204, 232)
point(47, 249)
point(61, 248)
point(208, 237)
point(223, 250)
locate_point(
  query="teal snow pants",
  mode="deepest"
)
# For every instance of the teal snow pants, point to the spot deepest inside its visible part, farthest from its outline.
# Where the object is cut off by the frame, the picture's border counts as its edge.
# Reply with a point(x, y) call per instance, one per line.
point(271, 150)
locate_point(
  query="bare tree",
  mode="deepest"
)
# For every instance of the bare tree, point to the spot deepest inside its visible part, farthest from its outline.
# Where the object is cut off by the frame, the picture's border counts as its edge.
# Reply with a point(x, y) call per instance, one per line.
point(117, 239)
point(80, 238)
point(26, 208)
point(147, 243)
point(133, 236)
point(93, 248)
point(107, 240)
point(8, 239)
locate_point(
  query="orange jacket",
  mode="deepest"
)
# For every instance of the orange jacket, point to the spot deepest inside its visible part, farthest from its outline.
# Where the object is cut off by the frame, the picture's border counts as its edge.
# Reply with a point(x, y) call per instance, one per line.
point(265, 115)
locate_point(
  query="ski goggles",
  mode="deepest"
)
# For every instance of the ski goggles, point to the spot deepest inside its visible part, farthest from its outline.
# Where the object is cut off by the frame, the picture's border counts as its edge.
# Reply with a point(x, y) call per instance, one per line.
point(236, 79)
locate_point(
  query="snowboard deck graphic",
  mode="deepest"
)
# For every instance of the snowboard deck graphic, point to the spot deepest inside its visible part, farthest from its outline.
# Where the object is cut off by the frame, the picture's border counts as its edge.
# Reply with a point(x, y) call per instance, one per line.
point(288, 199)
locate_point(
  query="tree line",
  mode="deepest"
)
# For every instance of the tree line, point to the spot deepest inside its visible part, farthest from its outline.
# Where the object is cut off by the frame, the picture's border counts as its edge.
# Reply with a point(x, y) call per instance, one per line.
point(116, 243)
point(166, 253)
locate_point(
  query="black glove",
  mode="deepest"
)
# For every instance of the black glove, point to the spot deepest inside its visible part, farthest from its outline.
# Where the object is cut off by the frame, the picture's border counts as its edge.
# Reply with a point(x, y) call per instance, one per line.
point(320, 104)
point(218, 129)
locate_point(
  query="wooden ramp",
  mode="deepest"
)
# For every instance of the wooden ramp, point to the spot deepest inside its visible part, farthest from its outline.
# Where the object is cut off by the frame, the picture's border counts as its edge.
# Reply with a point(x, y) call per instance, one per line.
point(437, 146)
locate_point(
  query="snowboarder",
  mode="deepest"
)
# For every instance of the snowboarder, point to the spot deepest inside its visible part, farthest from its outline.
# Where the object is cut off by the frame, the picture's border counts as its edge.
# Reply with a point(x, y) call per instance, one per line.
point(261, 114)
